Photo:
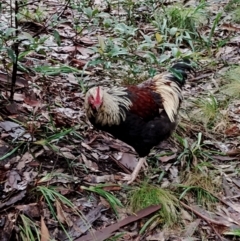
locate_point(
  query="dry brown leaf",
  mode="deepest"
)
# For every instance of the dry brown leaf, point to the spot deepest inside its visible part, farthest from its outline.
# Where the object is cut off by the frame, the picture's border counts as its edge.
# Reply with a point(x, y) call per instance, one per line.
point(12, 181)
point(26, 158)
point(129, 160)
point(67, 155)
point(32, 100)
point(88, 41)
point(8, 125)
point(100, 179)
point(167, 158)
point(112, 188)
point(82, 224)
point(13, 199)
point(234, 152)
point(32, 210)
point(89, 164)
point(20, 82)
point(233, 131)
point(61, 215)
point(45, 236)
point(7, 224)
point(224, 158)
point(156, 237)
point(191, 228)
point(230, 27)
point(86, 146)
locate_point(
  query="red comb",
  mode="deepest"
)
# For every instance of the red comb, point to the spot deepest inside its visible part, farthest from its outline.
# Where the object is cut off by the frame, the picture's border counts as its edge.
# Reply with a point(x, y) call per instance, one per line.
point(98, 95)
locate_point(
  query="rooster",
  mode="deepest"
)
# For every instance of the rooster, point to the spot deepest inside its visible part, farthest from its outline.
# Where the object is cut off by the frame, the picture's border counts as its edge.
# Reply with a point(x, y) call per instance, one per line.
point(140, 115)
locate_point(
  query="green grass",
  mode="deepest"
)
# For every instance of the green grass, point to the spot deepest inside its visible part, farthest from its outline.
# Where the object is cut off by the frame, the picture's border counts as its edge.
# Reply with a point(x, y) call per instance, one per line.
point(236, 15)
point(231, 5)
point(201, 186)
point(147, 195)
point(208, 109)
point(116, 237)
point(52, 198)
point(192, 153)
point(235, 233)
point(112, 200)
point(179, 24)
point(232, 88)
point(29, 230)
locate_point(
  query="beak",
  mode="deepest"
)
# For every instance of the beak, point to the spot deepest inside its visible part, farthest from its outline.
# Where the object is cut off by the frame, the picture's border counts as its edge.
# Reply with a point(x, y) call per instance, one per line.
point(97, 106)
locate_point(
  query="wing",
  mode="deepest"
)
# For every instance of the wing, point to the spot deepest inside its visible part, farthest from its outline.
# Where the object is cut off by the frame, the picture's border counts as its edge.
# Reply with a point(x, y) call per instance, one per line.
point(145, 103)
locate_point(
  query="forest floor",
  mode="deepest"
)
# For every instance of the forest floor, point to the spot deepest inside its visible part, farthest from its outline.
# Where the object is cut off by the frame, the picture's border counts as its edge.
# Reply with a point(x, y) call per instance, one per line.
point(60, 178)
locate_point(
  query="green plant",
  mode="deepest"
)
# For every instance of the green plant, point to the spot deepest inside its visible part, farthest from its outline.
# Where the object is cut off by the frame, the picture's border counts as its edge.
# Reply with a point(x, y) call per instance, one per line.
point(38, 15)
point(16, 44)
point(178, 24)
point(29, 230)
point(236, 15)
point(51, 196)
point(53, 138)
point(116, 237)
point(191, 153)
point(56, 70)
point(113, 201)
point(232, 88)
point(199, 182)
point(208, 40)
point(233, 232)
point(231, 5)
point(203, 197)
point(147, 195)
point(202, 186)
point(208, 109)
point(11, 152)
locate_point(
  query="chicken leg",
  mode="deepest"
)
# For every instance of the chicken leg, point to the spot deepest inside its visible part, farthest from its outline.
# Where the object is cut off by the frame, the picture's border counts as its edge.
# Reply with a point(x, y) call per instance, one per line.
point(131, 177)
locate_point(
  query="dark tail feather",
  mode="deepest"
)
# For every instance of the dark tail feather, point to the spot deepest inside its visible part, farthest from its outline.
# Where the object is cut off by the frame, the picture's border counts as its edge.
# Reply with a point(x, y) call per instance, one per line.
point(179, 71)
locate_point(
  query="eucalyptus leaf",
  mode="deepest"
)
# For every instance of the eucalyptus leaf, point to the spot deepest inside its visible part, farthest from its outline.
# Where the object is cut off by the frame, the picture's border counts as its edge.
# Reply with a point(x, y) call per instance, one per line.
point(151, 57)
point(173, 31)
point(158, 37)
point(25, 35)
point(116, 52)
point(9, 32)
point(57, 37)
point(88, 11)
point(101, 43)
point(175, 52)
point(163, 58)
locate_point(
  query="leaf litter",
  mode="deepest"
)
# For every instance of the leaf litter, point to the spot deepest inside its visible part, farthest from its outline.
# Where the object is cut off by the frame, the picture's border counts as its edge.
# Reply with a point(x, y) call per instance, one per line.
point(48, 101)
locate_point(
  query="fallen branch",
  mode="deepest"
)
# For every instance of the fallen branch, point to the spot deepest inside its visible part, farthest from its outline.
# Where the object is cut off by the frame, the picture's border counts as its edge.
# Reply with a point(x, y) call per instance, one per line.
point(105, 233)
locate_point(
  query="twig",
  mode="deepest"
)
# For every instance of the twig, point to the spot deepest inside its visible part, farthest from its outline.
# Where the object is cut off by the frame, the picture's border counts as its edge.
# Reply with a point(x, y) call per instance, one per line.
point(200, 77)
point(120, 164)
point(201, 215)
point(214, 229)
point(16, 51)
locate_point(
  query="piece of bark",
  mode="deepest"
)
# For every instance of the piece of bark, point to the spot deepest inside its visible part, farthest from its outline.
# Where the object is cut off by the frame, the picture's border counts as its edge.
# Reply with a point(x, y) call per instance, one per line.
point(105, 233)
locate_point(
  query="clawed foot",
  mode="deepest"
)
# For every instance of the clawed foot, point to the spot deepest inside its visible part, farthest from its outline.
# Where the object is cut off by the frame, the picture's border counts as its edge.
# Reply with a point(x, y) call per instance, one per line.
point(131, 177)
point(128, 177)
